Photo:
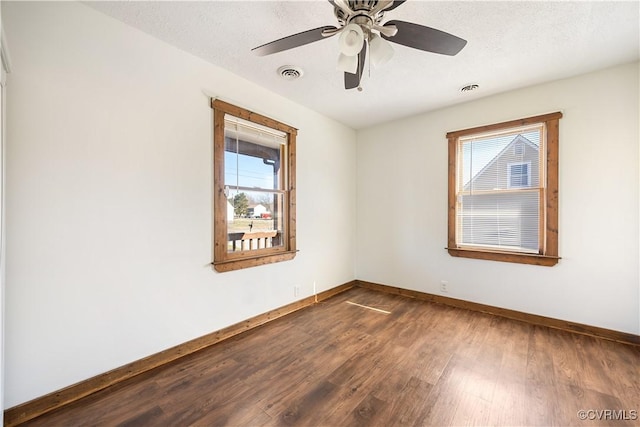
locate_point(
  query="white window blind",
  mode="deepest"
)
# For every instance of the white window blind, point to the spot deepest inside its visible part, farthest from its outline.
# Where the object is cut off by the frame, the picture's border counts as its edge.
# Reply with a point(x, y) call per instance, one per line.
point(499, 191)
point(237, 128)
point(253, 155)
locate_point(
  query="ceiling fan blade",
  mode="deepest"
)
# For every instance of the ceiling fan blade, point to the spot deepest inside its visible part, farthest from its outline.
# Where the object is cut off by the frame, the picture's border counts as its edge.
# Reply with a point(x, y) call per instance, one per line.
point(351, 80)
point(425, 38)
point(294, 40)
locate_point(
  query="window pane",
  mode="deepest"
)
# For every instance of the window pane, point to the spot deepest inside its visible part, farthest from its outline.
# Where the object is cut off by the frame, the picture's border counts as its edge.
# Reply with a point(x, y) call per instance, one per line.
point(251, 165)
point(255, 220)
point(502, 161)
point(501, 220)
point(490, 214)
point(243, 170)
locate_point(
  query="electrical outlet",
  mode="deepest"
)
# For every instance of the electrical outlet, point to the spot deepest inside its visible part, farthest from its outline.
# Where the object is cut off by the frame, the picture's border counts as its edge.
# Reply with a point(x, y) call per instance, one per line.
point(296, 291)
point(444, 286)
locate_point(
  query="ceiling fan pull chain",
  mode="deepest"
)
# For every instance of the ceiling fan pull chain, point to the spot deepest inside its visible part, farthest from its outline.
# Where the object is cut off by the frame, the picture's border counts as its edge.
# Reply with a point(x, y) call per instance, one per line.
point(368, 60)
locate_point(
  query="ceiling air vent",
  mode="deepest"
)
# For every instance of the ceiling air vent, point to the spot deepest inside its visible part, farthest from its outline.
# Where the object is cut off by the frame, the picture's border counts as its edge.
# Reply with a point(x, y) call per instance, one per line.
point(290, 72)
point(469, 88)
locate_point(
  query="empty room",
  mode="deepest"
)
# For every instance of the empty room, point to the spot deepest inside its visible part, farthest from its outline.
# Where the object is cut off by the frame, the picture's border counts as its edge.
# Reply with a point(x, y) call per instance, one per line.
point(320, 213)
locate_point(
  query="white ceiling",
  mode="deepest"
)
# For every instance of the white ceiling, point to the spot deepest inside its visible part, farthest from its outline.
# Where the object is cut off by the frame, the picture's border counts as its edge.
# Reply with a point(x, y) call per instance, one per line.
point(510, 45)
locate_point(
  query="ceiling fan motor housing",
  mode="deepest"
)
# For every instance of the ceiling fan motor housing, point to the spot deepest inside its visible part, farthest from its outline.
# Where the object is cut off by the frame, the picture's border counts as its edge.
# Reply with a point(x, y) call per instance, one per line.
point(362, 16)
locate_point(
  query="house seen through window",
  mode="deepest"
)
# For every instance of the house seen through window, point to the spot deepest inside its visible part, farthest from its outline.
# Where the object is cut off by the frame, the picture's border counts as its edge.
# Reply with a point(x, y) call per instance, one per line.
point(503, 201)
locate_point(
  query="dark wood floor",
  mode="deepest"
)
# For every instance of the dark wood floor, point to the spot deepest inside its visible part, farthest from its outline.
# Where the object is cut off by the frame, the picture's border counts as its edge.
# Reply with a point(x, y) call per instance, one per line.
point(340, 364)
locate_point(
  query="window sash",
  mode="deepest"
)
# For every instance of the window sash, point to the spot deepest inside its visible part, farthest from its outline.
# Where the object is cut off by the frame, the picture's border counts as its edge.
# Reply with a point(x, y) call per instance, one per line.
point(247, 143)
point(498, 214)
point(260, 232)
point(545, 191)
point(506, 221)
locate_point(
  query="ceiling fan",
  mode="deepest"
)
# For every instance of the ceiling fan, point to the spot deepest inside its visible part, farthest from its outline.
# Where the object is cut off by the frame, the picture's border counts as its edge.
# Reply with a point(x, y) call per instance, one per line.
point(360, 27)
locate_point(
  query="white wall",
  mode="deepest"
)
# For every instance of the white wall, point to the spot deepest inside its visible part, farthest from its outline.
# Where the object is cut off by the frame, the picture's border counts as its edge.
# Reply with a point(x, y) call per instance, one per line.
point(109, 193)
point(402, 204)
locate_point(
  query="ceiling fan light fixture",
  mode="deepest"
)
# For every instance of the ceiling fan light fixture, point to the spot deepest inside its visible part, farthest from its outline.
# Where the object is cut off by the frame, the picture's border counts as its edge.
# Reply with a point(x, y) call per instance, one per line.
point(348, 64)
point(380, 50)
point(351, 40)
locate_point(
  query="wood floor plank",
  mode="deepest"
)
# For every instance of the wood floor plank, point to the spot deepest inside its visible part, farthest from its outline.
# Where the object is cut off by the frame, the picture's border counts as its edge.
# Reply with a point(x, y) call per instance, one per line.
point(441, 404)
point(471, 411)
point(299, 409)
point(509, 403)
point(320, 364)
point(396, 364)
point(385, 360)
point(541, 386)
point(367, 413)
point(145, 418)
point(406, 411)
point(620, 367)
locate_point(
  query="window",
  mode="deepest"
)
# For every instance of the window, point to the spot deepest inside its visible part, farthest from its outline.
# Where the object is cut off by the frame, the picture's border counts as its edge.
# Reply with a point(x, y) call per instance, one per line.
point(518, 174)
point(503, 191)
point(254, 189)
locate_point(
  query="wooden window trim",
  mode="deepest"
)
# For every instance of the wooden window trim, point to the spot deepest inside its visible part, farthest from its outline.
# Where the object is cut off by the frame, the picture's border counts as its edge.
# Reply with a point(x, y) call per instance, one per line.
point(222, 259)
point(549, 238)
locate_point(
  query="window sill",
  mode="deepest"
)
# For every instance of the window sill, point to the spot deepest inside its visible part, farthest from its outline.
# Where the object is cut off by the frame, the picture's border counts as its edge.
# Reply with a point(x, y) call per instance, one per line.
point(519, 258)
point(237, 264)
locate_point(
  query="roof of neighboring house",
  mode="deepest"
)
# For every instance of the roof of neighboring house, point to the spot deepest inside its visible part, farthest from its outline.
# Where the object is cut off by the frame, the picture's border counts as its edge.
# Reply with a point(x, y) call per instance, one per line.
point(517, 139)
